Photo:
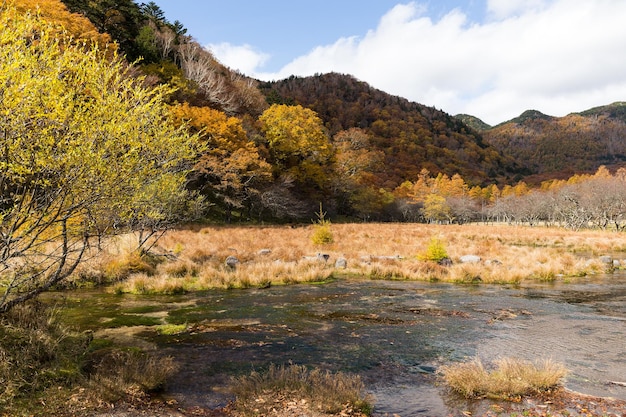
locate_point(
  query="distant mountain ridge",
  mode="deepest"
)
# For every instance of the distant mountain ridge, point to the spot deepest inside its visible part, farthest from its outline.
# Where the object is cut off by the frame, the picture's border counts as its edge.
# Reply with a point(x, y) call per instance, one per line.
point(473, 122)
point(557, 147)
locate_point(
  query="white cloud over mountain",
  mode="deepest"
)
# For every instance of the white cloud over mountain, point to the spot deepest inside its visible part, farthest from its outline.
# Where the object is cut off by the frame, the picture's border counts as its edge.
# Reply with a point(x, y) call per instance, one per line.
point(554, 56)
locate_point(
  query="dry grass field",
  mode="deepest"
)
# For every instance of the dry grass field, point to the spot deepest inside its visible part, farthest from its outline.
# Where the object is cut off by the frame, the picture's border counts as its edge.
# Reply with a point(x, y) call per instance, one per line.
point(278, 255)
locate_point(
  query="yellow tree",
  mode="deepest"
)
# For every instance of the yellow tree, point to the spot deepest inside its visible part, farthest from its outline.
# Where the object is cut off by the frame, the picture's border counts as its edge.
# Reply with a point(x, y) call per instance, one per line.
point(87, 151)
point(436, 209)
point(230, 169)
point(298, 142)
point(423, 186)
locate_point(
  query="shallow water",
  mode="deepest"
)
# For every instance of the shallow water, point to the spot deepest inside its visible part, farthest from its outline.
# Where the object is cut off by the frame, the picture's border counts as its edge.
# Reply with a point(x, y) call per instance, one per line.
point(394, 334)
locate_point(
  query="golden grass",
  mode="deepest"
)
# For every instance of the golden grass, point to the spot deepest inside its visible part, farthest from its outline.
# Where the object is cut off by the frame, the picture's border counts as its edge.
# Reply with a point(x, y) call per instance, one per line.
point(510, 378)
point(277, 255)
point(333, 393)
point(118, 373)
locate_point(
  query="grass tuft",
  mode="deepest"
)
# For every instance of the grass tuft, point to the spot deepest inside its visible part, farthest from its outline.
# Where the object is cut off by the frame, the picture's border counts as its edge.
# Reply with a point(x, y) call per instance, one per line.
point(115, 373)
point(321, 390)
point(510, 378)
point(42, 364)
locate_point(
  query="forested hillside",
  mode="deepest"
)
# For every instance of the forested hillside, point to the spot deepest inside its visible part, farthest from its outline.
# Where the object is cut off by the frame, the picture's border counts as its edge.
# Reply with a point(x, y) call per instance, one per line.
point(411, 136)
point(166, 52)
point(558, 147)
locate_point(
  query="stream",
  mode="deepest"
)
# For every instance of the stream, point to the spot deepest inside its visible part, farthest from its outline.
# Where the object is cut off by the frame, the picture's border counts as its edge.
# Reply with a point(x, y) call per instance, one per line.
point(395, 334)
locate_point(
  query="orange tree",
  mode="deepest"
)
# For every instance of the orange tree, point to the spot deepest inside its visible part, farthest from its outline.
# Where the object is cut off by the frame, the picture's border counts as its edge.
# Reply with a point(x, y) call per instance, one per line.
point(230, 170)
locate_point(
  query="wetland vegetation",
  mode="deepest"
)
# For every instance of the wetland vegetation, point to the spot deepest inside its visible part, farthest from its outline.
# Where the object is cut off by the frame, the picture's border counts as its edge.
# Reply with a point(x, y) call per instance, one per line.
point(140, 335)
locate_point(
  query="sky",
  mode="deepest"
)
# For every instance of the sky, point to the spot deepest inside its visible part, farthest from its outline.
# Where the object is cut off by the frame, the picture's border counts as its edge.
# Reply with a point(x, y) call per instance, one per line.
point(493, 59)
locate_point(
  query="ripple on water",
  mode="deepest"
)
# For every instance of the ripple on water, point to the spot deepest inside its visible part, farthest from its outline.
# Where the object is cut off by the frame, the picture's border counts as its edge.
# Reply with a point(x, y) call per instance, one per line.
point(387, 331)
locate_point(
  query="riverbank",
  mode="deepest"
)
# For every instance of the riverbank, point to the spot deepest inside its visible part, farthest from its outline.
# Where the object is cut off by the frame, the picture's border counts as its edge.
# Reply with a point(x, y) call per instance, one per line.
point(202, 258)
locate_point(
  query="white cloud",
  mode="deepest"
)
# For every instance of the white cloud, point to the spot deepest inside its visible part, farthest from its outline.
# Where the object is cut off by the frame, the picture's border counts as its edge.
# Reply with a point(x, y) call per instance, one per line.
point(556, 57)
point(243, 58)
point(500, 9)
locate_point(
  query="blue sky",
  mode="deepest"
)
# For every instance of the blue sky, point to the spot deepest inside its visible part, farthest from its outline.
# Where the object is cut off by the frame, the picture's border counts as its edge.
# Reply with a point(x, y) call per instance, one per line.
point(285, 29)
point(490, 58)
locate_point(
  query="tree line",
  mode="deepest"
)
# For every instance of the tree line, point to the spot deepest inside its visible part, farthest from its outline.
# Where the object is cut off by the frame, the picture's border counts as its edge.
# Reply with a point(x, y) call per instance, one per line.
point(582, 201)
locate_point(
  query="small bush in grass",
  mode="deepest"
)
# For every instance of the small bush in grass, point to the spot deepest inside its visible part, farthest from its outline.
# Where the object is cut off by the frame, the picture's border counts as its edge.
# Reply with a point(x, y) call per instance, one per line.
point(322, 234)
point(321, 390)
point(435, 252)
point(509, 378)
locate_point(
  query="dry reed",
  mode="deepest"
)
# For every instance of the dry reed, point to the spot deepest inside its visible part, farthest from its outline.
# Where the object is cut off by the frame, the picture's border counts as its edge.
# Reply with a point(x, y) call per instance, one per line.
point(510, 378)
point(277, 255)
point(321, 391)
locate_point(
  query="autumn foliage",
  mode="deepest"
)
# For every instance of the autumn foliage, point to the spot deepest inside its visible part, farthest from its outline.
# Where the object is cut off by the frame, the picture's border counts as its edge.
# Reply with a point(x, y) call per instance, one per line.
point(74, 24)
point(276, 150)
point(559, 147)
point(87, 151)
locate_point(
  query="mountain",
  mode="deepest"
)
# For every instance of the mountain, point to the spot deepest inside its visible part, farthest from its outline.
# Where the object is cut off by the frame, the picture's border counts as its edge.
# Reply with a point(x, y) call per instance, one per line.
point(616, 110)
point(473, 122)
point(557, 147)
point(411, 135)
point(529, 116)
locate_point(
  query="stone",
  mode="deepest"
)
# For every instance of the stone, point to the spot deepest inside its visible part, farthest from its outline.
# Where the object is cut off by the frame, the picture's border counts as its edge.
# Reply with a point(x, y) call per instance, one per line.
point(231, 262)
point(265, 251)
point(469, 259)
point(445, 262)
point(606, 259)
point(323, 257)
point(341, 263)
point(426, 369)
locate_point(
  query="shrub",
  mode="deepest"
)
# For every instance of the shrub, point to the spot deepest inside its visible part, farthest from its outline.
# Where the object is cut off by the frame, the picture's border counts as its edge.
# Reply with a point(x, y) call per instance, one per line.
point(326, 391)
point(510, 378)
point(436, 251)
point(322, 234)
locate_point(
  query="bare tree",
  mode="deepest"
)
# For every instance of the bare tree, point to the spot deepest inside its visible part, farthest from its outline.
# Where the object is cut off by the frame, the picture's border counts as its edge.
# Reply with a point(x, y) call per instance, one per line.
point(200, 66)
point(281, 202)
